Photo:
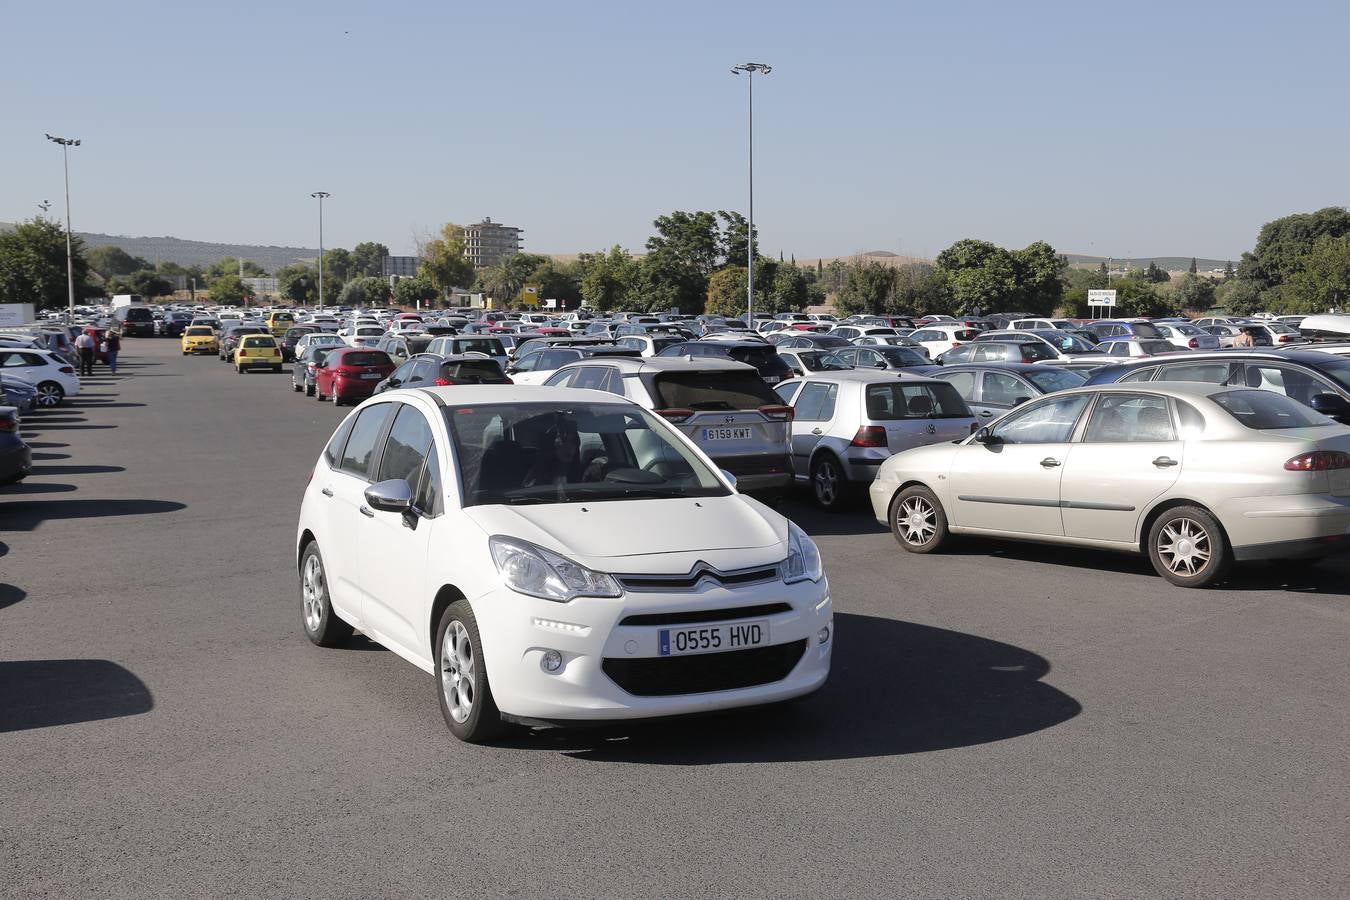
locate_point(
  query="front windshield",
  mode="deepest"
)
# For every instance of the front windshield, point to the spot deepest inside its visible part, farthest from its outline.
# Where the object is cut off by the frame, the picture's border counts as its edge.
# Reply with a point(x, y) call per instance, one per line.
point(902, 356)
point(1066, 342)
point(528, 453)
point(1052, 380)
point(200, 331)
point(821, 361)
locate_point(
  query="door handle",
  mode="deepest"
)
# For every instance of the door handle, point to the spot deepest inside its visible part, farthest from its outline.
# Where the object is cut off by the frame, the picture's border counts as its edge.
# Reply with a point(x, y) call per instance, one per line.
point(1163, 462)
point(816, 431)
point(327, 492)
point(1049, 462)
point(986, 413)
point(365, 511)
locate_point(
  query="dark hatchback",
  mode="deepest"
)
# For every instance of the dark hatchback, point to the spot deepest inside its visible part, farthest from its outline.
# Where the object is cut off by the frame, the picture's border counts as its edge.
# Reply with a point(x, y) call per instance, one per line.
point(764, 357)
point(229, 341)
point(292, 337)
point(1317, 380)
point(991, 389)
point(16, 459)
point(430, 370)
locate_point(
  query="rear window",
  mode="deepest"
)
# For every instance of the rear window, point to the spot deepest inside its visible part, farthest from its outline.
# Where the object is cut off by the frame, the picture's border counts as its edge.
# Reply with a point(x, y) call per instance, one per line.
point(758, 357)
point(965, 334)
point(1157, 346)
point(1052, 380)
point(474, 371)
point(367, 358)
point(1264, 410)
point(488, 346)
point(1145, 330)
point(914, 401)
point(259, 342)
point(1036, 351)
point(712, 390)
point(139, 314)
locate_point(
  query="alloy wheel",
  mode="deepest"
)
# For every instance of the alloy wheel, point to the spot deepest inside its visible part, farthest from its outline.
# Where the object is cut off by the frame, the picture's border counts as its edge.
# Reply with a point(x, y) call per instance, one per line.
point(917, 521)
point(313, 591)
point(827, 482)
point(457, 671)
point(1184, 546)
point(49, 394)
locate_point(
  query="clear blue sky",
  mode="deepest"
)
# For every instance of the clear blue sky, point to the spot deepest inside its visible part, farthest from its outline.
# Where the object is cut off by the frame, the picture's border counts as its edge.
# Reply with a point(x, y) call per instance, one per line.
point(1125, 129)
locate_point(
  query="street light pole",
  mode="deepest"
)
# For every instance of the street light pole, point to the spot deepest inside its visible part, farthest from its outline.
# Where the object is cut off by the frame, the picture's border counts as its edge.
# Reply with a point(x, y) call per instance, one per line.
point(320, 195)
point(66, 144)
point(749, 69)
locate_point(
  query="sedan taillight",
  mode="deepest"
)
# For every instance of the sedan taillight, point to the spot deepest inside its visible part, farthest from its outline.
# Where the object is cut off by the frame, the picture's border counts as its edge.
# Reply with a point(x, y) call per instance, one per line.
point(1193, 343)
point(674, 415)
point(778, 413)
point(869, 436)
point(66, 370)
point(1318, 461)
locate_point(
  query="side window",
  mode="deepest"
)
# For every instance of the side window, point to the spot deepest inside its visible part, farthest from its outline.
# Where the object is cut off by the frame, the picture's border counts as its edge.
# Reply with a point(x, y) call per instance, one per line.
point(356, 456)
point(850, 355)
point(1144, 374)
point(333, 452)
point(1209, 373)
point(1130, 417)
point(827, 406)
point(787, 390)
point(427, 492)
point(528, 362)
point(406, 447)
point(1296, 384)
point(562, 378)
point(402, 373)
point(1050, 422)
point(983, 352)
point(964, 382)
point(1001, 389)
point(590, 377)
point(613, 381)
point(1192, 423)
point(811, 402)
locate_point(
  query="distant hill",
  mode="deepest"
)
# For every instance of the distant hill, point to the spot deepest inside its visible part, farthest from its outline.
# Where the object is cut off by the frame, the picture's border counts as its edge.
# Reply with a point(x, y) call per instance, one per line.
point(1166, 263)
point(197, 253)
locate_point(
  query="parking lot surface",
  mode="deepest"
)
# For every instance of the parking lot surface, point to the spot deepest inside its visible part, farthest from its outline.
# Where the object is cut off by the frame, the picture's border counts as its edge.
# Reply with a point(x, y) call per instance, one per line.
point(1001, 720)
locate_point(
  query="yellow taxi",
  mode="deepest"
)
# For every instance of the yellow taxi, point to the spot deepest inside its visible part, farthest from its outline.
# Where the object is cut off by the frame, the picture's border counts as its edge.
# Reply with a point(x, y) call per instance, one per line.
point(200, 339)
point(257, 351)
point(280, 322)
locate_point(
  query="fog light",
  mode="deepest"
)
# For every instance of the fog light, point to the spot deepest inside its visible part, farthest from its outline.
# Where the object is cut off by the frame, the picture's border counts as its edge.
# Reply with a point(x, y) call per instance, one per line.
point(551, 661)
point(824, 636)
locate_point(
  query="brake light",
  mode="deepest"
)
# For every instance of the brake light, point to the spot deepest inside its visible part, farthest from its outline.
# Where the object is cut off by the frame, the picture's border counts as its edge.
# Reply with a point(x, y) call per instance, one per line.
point(1193, 343)
point(8, 423)
point(444, 382)
point(956, 343)
point(674, 415)
point(1284, 339)
point(66, 370)
point(1318, 461)
point(778, 413)
point(869, 436)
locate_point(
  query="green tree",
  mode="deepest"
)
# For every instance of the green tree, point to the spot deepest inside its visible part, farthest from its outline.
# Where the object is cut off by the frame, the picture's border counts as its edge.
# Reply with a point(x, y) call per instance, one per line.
point(33, 265)
point(1228, 272)
point(365, 291)
point(1194, 293)
point(1239, 297)
point(557, 283)
point(1281, 242)
point(1195, 268)
point(868, 287)
point(920, 289)
point(735, 232)
point(1038, 271)
point(609, 278)
point(726, 292)
point(409, 291)
point(109, 261)
point(1155, 274)
point(337, 264)
point(368, 259)
point(149, 283)
point(443, 261)
point(1323, 277)
point(230, 266)
point(229, 290)
point(980, 276)
point(789, 291)
point(299, 283)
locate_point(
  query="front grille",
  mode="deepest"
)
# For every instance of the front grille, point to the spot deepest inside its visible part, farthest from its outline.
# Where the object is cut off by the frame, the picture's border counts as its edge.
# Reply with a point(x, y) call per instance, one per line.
point(696, 616)
point(666, 676)
point(690, 581)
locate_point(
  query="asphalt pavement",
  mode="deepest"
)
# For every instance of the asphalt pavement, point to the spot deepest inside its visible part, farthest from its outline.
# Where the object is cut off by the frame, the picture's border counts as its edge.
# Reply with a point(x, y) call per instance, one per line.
point(1003, 720)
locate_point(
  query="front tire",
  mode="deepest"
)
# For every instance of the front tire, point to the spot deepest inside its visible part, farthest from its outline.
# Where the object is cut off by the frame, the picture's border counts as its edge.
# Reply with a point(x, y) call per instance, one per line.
point(1187, 546)
point(322, 625)
point(50, 394)
point(918, 521)
point(309, 389)
point(461, 678)
point(829, 484)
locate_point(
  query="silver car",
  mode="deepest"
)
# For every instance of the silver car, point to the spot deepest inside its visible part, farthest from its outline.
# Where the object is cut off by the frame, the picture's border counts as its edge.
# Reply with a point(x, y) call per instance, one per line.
point(846, 424)
point(1196, 476)
point(722, 405)
point(1188, 337)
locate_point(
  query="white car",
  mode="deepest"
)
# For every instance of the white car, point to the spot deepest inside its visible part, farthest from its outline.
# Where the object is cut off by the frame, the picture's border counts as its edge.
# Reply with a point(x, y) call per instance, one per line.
point(52, 376)
point(1194, 475)
point(938, 339)
point(362, 335)
point(483, 541)
point(1188, 337)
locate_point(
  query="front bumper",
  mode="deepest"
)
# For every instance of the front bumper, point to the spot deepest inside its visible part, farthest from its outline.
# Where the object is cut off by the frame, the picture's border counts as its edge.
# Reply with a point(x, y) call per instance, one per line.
point(517, 630)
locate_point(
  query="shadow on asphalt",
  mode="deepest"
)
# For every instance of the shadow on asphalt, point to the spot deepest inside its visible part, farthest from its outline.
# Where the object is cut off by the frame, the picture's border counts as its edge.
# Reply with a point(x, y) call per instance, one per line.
point(23, 515)
point(10, 595)
point(41, 693)
point(853, 519)
point(39, 487)
point(896, 688)
point(76, 470)
point(46, 445)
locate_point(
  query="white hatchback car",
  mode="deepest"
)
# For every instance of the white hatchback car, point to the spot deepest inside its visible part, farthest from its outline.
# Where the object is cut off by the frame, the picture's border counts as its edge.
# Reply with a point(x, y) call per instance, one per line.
point(553, 556)
point(54, 378)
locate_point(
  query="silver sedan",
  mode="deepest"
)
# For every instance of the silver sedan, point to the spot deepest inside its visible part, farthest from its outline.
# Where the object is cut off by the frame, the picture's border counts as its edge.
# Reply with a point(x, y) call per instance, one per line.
point(1193, 475)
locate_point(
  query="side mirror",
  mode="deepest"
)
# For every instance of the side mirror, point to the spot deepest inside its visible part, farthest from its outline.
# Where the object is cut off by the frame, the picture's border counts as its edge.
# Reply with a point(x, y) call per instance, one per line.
point(1332, 405)
point(987, 437)
point(511, 370)
point(394, 495)
point(731, 479)
point(1018, 401)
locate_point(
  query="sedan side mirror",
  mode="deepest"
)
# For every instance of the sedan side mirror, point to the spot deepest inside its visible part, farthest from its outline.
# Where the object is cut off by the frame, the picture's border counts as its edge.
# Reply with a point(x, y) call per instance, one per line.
point(1332, 405)
point(731, 479)
point(394, 495)
point(987, 437)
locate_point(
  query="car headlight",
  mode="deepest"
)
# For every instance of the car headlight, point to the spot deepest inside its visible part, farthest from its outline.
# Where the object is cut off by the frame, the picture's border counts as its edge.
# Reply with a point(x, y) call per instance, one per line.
point(532, 570)
point(803, 562)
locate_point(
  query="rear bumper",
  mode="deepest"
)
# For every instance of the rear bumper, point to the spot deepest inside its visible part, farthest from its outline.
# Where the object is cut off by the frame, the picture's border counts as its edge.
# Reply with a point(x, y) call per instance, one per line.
point(1289, 526)
point(354, 387)
point(758, 473)
point(255, 363)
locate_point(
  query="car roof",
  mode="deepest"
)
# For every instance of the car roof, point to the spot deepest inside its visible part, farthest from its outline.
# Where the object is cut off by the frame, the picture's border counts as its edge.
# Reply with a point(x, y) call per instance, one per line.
point(496, 394)
point(651, 364)
point(865, 376)
point(1019, 367)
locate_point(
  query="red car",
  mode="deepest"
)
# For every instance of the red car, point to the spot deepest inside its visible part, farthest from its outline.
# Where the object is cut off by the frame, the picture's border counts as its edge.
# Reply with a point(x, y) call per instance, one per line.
point(351, 373)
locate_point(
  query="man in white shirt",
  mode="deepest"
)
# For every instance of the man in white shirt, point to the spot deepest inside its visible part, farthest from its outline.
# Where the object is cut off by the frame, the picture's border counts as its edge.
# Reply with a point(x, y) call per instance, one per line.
point(85, 345)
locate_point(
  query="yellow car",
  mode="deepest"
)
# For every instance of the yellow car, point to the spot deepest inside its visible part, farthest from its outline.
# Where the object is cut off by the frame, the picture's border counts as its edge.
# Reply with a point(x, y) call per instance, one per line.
point(257, 351)
point(280, 322)
point(200, 339)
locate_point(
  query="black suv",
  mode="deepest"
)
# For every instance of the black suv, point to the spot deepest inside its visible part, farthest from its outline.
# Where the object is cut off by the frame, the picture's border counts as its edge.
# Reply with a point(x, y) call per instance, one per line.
point(764, 357)
point(134, 321)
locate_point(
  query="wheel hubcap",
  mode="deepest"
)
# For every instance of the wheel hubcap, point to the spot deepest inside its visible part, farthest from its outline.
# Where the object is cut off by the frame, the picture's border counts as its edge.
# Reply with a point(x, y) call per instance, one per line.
point(457, 671)
point(917, 520)
point(313, 591)
point(827, 482)
point(1184, 546)
point(48, 396)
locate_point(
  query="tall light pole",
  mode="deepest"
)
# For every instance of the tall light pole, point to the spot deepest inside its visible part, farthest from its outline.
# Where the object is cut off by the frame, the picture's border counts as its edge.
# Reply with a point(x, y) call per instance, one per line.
point(749, 70)
point(66, 144)
point(320, 195)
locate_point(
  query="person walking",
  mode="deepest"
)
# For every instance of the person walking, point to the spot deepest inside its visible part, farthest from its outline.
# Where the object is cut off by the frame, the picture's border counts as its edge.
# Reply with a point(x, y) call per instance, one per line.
point(112, 345)
point(85, 345)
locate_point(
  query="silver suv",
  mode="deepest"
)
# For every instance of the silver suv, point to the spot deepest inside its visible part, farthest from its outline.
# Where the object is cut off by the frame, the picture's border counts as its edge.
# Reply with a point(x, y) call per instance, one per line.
point(722, 405)
point(846, 424)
